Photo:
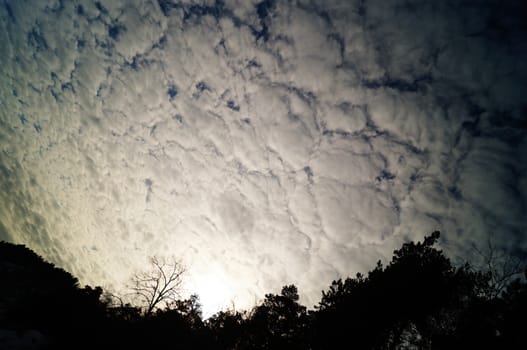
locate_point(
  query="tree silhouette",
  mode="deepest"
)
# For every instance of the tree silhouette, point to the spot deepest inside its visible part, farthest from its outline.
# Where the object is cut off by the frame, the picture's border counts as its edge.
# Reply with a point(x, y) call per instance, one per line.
point(513, 315)
point(418, 300)
point(179, 326)
point(501, 268)
point(280, 322)
point(227, 328)
point(161, 284)
point(412, 298)
point(35, 294)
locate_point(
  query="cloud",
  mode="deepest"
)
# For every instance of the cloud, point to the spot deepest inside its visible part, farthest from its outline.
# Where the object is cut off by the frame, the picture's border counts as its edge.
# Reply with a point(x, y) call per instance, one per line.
point(270, 142)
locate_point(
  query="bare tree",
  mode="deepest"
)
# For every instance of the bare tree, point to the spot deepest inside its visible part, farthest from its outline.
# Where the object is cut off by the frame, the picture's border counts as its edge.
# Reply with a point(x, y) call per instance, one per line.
point(161, 284)
point(501, 268)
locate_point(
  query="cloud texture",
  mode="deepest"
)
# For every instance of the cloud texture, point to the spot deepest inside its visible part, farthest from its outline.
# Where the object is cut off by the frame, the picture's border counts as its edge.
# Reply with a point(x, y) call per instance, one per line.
point(264, 143)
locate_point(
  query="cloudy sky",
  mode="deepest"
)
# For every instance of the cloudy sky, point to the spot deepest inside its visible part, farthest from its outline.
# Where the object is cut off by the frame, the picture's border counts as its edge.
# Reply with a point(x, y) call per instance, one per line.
point(262, 142)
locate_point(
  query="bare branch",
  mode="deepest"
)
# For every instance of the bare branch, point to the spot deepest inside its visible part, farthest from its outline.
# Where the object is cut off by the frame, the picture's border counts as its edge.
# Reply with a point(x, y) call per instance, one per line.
point(500, 267)
point(159, 285)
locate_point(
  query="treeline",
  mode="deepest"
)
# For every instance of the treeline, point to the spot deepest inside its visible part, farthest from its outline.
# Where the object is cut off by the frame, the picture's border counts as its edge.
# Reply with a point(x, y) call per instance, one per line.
point(420, 300)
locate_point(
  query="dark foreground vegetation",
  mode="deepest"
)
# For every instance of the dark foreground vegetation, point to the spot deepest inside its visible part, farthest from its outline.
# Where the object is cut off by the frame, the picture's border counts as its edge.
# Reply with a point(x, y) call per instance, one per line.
point(420, 300)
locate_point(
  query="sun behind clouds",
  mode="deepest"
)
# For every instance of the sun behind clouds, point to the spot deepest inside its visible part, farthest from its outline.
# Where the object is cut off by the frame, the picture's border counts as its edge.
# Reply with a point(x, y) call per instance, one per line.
point(214, 291)
point(264, 143)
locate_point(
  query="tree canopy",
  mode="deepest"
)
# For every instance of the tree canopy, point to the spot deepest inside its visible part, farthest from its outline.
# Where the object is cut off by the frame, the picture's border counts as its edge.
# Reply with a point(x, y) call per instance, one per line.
point(420, 299)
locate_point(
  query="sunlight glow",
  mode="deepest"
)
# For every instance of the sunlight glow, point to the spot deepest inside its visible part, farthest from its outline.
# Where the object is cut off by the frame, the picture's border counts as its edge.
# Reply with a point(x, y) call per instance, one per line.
point(213, 290)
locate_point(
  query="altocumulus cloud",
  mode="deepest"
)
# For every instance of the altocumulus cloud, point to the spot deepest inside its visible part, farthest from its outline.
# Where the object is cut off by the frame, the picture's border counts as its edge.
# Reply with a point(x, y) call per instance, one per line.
point(265, 142)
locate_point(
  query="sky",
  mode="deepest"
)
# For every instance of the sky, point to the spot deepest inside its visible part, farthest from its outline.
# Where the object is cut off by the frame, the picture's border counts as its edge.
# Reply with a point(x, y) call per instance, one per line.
point(263, 143)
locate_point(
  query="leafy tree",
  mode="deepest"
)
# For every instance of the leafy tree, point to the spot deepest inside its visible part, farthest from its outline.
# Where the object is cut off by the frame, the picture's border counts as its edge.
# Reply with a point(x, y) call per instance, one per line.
point(227, 329)
point(419, 300)
point(190, 309)
point(414, 294)
point(280, 322)
point(514, 313)
point(178, 326)
point(35, 294)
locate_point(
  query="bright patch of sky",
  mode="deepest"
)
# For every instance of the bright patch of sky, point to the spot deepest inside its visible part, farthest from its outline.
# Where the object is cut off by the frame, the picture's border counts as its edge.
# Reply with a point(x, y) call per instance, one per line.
point(263, 143)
